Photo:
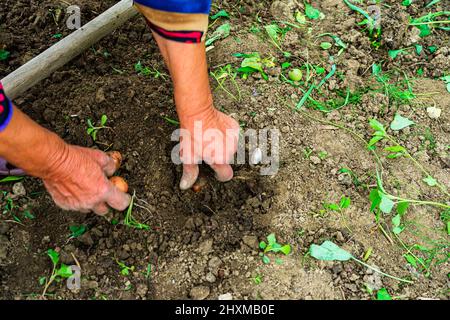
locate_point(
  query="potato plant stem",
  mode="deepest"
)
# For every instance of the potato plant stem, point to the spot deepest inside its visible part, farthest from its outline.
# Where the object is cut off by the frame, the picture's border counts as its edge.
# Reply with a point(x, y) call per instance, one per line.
point(381, 272)
point(418, 165)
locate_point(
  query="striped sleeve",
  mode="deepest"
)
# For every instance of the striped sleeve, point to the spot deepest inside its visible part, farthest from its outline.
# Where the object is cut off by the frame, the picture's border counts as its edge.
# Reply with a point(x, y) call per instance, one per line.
point(179, 20)
point(6, 109)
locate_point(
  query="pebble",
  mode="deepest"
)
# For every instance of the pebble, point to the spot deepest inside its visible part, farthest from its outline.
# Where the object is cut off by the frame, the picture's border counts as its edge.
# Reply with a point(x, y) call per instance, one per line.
point(100, 96)
point(285, 129)
point(251, 241)
point(210, 278)
point(434, 113)
point(226, 297)
point(199, 292)
point(19, 190)
point(315, 160)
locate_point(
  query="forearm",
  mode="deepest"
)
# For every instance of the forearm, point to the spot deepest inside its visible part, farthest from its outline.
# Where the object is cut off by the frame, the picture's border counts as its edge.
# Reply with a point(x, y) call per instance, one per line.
point(188, 68)
point(29, 146)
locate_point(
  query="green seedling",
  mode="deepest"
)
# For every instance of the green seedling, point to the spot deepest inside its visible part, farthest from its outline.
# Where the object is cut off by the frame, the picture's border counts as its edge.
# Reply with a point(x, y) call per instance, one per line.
point(59, 271)
point(427, 22)
point(57, 36)
point(395, 150)
point(77, 231)
point(383, 294)
point(372, 24)
point(446, 80)
point(11, 179)
point(4, 55)
point(220, 14)
point(432, 3)
point(149, 71)
point(313, 86)
point(223, 75)
point(328, 251)
point(338, 41)
point(93, 130)
point(129, 221)
point(353, 175)
point(276, 35)
point(273, 246)
point(258, 279)
point(343, 204)
point(393, 92)
point(253, 63)
point(14, 210)
point(221, 32)
point(124, 269)
point(313, 13)
point(148, 271)
point(171, 121)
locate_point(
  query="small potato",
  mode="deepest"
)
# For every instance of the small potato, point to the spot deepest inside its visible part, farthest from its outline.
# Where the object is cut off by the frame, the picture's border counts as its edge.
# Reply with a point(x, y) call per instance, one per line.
point(120, 183)
point(117, 157)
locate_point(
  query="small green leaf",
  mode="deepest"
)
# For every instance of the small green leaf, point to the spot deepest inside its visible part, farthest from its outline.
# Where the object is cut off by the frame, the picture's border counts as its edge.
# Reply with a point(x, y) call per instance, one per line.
point(54, 256)
point(374, 198)
point(402, 207)
point(394, 53)
point(430, 181)
point(262, 245)
point(432, 49)
point(300, 17)
point(374, 140)
point(265, 259)
point(77, 230)
point(411, 260)
point(377, 126)
point(345, 202)
point(104, 120)
point(386, 204)
point(286, 65)
point(279, 261)
point(383, 294)
point(419, 49)
point(271, 239)
point(312, 12)
point(42, 280)
point(326, 45)
point(396, 220)
point(400, 123)
point(10, 179)
point(407, 3)
point(64, 271)
point(286, 249)
point(221, 13)
point(220, 33)
point(4, 55)
point(329, 251)
point(398, 230)
point(395, 149)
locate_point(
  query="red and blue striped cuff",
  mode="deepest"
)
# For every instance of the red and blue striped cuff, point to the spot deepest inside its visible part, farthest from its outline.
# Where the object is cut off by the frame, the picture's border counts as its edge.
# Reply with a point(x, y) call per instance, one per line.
point(6, 109)
point(179, 6)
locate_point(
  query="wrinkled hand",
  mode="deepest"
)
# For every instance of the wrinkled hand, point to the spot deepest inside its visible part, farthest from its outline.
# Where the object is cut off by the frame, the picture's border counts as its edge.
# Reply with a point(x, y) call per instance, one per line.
point(77, 181)
point(212, 137)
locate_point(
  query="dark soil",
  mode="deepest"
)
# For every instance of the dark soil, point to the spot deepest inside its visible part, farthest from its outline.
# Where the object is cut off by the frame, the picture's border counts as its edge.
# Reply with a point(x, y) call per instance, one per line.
point(203, 245)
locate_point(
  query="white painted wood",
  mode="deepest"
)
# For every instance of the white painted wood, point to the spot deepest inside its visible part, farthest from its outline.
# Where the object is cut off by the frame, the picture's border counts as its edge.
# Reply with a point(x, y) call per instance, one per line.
point(66, 49)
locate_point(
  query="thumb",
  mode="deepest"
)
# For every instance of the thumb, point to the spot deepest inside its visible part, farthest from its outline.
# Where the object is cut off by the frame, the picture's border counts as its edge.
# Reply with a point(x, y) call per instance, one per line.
point(190, 175)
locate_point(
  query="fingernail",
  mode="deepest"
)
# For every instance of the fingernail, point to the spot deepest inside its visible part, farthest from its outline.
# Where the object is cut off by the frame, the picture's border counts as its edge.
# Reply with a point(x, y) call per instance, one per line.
point(184, 184)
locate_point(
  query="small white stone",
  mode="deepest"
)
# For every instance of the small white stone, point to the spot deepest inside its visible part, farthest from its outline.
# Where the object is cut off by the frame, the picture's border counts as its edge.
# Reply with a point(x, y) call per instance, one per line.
point(19, 190)
point(256, 156)
point(434, 113)
point(226, 296)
